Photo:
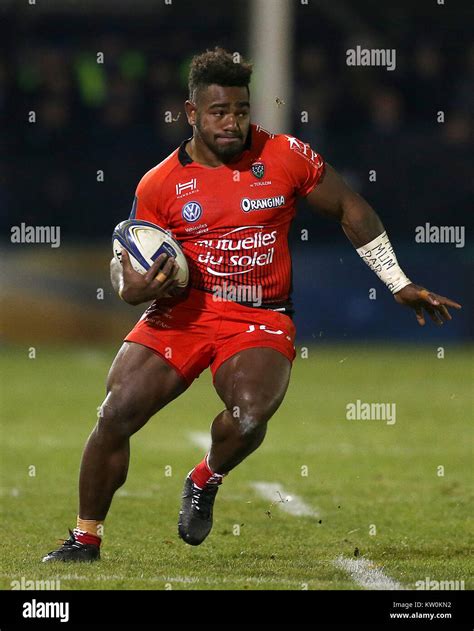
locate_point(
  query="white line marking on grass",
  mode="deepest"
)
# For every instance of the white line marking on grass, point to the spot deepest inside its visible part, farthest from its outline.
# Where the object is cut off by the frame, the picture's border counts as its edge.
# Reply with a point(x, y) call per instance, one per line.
point(133, 494)
point(366, 574)
point(200, 439)
point(291, 503)
point(13, 492)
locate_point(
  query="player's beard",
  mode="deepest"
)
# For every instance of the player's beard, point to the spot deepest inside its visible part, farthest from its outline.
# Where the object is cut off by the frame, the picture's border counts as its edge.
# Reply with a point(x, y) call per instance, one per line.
point(224, 153)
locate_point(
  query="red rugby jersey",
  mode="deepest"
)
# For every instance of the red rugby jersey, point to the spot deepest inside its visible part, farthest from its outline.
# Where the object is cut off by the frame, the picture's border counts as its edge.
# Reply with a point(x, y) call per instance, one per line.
point(232, 221)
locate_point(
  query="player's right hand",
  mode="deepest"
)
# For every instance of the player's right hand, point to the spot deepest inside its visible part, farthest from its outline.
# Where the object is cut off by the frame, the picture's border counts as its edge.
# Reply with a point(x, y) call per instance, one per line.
point(157, 282)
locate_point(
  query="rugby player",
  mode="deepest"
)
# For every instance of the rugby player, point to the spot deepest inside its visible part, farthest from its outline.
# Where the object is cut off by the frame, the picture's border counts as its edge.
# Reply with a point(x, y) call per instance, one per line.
point(228, 195)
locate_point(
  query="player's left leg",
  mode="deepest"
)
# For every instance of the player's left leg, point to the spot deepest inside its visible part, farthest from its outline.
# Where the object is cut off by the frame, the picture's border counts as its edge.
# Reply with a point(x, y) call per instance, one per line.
point(252, 384)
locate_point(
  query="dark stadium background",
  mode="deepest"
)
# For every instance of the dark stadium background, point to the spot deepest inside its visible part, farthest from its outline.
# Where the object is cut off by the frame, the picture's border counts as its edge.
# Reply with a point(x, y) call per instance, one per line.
point(111, 117)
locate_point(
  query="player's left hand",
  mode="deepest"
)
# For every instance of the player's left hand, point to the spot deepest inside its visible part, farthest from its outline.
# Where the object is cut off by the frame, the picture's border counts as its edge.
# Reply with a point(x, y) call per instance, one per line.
point(419, 298)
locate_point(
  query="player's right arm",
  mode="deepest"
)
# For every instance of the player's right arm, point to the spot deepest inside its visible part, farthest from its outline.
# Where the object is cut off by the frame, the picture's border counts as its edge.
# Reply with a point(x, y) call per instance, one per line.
point(131, 286)
point(136, 288)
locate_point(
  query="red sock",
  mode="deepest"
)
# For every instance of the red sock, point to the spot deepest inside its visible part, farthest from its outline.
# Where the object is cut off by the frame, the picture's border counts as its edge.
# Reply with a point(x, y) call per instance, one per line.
point(202, 474)
point(85, 537)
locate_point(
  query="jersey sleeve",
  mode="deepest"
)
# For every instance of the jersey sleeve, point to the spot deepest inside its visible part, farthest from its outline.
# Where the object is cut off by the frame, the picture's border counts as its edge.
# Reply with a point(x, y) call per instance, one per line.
point(146, 203)
point(303, 165)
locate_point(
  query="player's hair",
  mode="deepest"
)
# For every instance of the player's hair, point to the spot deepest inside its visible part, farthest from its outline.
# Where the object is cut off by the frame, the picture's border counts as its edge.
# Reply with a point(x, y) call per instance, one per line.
point(220, 67)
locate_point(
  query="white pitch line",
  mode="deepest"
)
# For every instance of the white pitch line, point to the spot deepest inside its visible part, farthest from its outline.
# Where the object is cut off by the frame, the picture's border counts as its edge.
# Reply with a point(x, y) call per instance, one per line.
point(200, 439)
point(366, 574)
point(141, 494)
point(288, 502)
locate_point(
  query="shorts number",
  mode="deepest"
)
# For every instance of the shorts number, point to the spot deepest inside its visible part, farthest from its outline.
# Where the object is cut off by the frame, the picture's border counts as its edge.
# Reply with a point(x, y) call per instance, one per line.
point(263, 327)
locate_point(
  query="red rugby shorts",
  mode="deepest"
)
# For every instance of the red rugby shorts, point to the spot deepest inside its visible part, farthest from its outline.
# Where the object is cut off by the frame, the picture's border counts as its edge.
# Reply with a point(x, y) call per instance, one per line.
point(198, 331)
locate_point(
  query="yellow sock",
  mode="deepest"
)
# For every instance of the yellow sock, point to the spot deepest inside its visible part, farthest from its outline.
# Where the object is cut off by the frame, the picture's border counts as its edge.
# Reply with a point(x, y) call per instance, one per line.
point(91, 526)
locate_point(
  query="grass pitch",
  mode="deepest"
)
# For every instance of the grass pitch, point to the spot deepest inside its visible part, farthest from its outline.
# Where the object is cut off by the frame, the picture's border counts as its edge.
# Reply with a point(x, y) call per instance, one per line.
point(397, 495)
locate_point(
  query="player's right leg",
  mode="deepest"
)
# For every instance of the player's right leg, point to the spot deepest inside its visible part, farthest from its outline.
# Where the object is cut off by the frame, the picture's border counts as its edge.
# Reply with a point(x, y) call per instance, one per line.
point(139, 384)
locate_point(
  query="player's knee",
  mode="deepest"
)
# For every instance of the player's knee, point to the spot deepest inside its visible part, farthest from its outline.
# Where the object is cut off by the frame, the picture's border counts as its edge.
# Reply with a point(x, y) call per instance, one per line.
point(251, 420)
point(119, 416)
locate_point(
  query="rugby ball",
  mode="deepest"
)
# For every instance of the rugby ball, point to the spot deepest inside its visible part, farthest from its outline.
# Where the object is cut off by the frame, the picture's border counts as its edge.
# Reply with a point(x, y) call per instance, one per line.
point(144, 242)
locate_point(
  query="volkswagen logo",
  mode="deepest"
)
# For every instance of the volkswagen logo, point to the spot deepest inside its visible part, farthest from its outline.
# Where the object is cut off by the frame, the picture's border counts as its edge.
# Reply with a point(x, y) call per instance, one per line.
point(191, 211)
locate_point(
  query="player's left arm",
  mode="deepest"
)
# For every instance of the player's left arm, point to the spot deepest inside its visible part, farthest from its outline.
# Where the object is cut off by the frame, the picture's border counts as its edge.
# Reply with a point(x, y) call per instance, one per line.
point(332, 197)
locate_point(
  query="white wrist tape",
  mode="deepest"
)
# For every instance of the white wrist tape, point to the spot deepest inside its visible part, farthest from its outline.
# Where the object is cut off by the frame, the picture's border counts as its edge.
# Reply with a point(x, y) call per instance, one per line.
point(380, 257)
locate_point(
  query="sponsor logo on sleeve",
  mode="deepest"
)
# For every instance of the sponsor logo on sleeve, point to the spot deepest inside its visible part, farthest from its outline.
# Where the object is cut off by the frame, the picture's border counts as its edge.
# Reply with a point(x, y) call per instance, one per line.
point(304, 150)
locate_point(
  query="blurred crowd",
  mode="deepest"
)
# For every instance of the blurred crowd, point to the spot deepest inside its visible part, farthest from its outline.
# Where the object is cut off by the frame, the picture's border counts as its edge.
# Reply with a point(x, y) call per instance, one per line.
point(109, 117)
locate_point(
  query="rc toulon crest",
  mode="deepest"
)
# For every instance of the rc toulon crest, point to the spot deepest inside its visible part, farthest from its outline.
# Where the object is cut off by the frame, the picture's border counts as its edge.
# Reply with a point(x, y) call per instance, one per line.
point(258, 169)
